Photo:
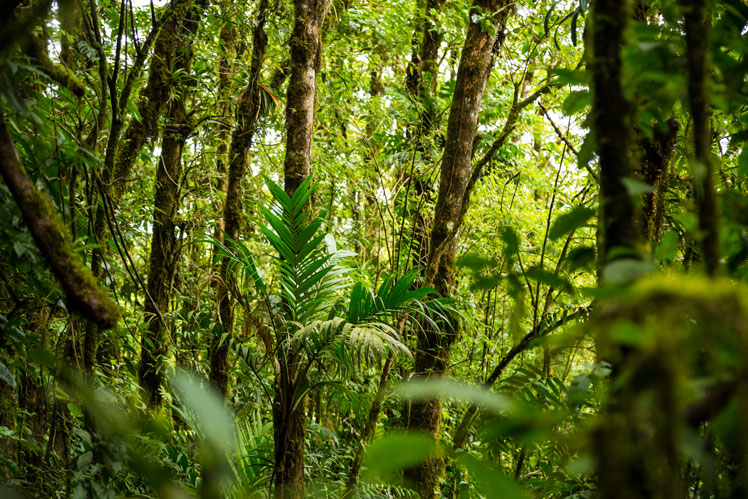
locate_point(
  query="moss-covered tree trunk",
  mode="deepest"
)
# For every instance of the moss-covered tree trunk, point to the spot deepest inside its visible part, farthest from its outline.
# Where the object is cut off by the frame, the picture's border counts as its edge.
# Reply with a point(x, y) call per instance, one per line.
point(433, 347)
point(617, 226)
point(164, 254)
point(653, 149)
point(698, 27)
point(289, 418)
point(241, 140)
point(620, 472)
point(225, 77)
point(301, 97)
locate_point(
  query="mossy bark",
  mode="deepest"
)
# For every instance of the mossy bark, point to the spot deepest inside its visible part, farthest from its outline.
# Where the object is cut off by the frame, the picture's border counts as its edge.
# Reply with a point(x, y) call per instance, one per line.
point(610, 115)
point(225, 77)
point(433, 347)
point(301, 97)
point(653, 160)
point(241, 140)
point(164, 254)
point(619, 472)
point(82, 294)
point(698, 27)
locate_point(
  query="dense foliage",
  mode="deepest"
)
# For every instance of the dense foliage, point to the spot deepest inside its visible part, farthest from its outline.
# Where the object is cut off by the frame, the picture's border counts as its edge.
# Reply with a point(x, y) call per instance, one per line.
point(353, 248)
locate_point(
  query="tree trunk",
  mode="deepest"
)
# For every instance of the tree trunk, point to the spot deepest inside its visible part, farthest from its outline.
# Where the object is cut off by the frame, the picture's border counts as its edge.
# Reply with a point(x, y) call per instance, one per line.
point(301, 97)
point(241, 141)
point(289, 435)
point(289, 422)
point(225, 75)
point(164, 252)
point(698, 26)
point(610, 120)
point(619, 471)
point(164, 249)
point(432, 354)
point(653, 159)
point(653, 151)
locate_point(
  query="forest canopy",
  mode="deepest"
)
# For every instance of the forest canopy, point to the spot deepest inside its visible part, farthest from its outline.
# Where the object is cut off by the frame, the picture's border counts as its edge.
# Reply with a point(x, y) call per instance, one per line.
point(357, 248)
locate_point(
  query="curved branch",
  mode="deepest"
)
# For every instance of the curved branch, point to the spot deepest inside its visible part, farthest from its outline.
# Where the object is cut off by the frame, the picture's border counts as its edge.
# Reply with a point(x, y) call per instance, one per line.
point(81, 290)
point(538, 331)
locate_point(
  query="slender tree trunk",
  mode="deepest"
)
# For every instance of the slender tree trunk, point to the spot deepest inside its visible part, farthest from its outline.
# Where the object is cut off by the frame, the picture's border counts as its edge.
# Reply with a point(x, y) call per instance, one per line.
point(241, 141)
point(225, 76)
point(610, 120)
point(301, 97)
point(432, 354)
point(164, 253)
point(289, 421)
point(698, 27)
point(653, 150)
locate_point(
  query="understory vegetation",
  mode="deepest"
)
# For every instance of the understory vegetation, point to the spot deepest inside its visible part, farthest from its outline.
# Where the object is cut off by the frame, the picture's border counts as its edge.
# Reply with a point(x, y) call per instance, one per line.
point(363, 249)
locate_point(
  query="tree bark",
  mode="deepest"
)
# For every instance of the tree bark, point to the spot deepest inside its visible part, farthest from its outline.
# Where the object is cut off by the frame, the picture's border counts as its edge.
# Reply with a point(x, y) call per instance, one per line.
point(698, 27)
point(610, 111)
point(433, 348)
point(289, 420)
point(619, 471)
point(164, 253)
point(241, 140)
point(301, 97)
point(82, 293)
point(225, 76)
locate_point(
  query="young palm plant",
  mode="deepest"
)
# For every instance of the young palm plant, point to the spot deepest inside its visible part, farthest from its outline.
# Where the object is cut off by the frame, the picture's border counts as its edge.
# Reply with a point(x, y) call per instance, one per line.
point(314, 311)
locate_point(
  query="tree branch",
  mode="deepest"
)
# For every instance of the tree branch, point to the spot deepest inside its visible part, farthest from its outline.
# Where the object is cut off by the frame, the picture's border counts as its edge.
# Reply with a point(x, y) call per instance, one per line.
point(538, 331)
point(81, 290)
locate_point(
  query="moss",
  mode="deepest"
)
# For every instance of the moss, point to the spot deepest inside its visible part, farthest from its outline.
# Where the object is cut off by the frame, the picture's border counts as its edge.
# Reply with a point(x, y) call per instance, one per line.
point(82, 293)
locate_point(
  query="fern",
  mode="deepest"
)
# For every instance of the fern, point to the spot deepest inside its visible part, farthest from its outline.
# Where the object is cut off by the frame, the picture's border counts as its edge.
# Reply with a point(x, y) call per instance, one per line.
point(310, 283)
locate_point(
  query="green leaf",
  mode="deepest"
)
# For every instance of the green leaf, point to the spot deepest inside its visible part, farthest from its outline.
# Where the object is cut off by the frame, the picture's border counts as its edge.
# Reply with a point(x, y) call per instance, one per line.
point(636, 186)
point(474, 262)
point(398, 450)
point(278, 194)
point(743, 163)
point(6, 376)
point(586, 152)
point(571, 221)
point(667, 250)
point(511, 241)
point(489, 481)
point(211, 419)
point(546, 277)
point(419, 390)
point(625, 270)
point(580, 257)
point(575, 102)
